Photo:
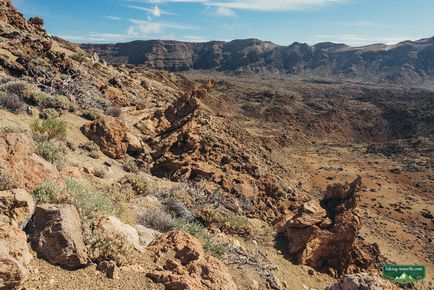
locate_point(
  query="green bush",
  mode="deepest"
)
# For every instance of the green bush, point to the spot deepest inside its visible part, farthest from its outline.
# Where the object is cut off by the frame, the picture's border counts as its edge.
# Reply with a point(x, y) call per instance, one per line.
point(51, 152)
point(49, 129)
point(90, 202)
point(47, 192)
point(7, 181)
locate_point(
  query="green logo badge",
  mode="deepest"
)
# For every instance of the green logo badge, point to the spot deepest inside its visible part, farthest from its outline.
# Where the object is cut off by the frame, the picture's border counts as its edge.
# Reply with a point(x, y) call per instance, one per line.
point(404, 274)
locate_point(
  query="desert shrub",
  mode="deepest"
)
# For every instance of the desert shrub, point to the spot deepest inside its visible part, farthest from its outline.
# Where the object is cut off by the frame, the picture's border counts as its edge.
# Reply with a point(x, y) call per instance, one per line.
point(131, 167)
point(72, 146)
point(12, 129)
point(47, 192)
point(90, 202)
point(226, 222)
point(114, 112)
point(49, 129)
point(49, 113)
point(57, 102)
point(199, 231)
point(19, 88)
point(100, 173)
point(104, 246)
point(80, 57)
point(236, 224)
point(137, 182)
point(95, 155)
point(51, 152)
point(7, 181)
point(119, 196)
point(178, 209)
point(11, 102)
point(5, 80)
point(156, 218)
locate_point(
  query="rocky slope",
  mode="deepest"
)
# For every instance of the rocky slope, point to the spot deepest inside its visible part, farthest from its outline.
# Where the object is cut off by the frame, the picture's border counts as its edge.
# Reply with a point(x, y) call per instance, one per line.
point(113, 177)
point(407, 63)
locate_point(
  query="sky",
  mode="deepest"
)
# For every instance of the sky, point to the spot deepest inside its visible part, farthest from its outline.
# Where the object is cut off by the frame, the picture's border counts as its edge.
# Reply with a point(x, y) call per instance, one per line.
point(354, 22)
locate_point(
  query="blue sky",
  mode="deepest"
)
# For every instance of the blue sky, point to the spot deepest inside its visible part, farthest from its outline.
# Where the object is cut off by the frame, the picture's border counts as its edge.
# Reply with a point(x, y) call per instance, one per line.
point(354, 22)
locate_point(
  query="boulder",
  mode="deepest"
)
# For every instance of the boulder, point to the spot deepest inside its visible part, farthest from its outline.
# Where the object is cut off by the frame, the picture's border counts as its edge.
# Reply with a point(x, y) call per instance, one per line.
point(15, 256)
point(57, 237)
point(146, 235)
point(109, 268)
point(135, 146)
point(18, 158)
point(324, 234)
point(362, 281)
point(17, 205)
point(186, 266)
point(110, 134)
point(112, 224)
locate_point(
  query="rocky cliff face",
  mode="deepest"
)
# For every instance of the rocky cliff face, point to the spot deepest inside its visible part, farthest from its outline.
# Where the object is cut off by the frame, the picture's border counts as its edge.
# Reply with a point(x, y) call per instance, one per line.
point(407, 63)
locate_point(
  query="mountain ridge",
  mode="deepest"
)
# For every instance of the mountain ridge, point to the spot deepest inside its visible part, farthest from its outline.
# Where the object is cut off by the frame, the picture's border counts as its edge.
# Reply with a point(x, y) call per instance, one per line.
point(408, 63)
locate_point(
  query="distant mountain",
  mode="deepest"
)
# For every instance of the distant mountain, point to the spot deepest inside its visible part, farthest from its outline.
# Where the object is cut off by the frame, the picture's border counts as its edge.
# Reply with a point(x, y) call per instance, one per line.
point(407, 63)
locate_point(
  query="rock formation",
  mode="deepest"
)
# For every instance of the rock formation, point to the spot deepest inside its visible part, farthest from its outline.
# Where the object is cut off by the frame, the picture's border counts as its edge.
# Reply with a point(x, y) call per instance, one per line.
point(404, 63)
point(56, 235)
point(113, 226)
point(110, 134)
point(17, 156)
point(324, 234)
point(184, 265)
point(17, 205)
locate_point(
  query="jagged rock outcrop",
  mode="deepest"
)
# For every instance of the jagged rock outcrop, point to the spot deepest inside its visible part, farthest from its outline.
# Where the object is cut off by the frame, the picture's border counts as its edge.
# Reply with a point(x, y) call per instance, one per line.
point(15, 256)
point(324, 234)
point(112, 136)
point(188, 143)
point(18, 158)
point(407, 63)
point(56, 235)
point(362, 281)
point(18, 205)
point(184, 265)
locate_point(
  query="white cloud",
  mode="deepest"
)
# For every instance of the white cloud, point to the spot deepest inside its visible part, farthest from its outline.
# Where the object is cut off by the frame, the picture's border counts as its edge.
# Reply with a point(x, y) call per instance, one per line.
point(223, 11)
point(274, 5)
point(156, 11)
point(149, 28)
point(260, 5)
point(111, 17)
